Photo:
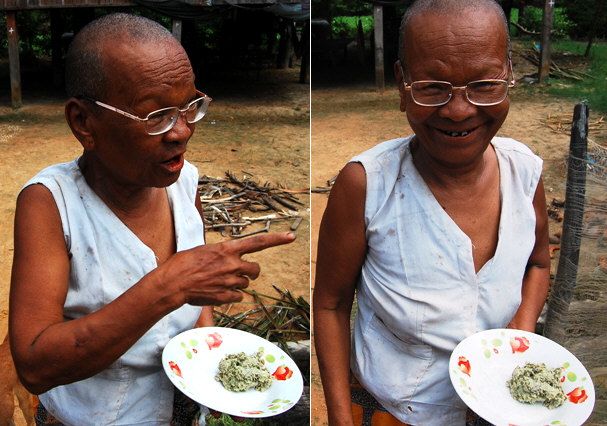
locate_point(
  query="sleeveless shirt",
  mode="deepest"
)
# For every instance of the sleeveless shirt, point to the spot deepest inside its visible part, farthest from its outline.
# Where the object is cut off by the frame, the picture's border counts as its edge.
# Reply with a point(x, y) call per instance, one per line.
point(106, 259)
point(418, 293)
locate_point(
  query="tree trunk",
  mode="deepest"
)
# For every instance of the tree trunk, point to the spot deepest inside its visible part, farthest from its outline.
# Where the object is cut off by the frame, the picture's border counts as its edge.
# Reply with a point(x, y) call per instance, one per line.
point(378, 24)
point(57, 47)
point(544, 70)
point(13, 58)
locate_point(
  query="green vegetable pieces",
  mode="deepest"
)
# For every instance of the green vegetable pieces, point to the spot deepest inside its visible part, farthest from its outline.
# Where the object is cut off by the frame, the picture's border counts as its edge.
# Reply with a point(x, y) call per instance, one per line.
point(240, 372)
point(537, 383)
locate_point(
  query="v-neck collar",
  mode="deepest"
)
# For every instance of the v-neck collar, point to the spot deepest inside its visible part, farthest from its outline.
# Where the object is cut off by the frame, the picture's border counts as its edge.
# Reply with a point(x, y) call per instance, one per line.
point(446, 222)
point(132, 239)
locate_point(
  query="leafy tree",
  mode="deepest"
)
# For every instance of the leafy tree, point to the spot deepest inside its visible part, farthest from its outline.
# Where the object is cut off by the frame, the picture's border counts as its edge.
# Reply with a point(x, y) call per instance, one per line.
point(589, 19)
point(329, 8)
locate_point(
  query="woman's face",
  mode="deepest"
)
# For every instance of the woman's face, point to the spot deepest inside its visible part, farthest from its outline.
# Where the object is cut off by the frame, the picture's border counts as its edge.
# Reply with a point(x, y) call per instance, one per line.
point(144, 78)
point(458, 51)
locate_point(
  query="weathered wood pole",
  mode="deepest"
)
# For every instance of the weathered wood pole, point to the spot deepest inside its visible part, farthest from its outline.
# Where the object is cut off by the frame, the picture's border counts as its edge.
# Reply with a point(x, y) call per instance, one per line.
point(304, 71)
point(176, 29)
point(285, 46)
point(561, 292)
point(544, 70)
point(13, 59)
point(56, 47)
point(378, 24)
point(360, 42)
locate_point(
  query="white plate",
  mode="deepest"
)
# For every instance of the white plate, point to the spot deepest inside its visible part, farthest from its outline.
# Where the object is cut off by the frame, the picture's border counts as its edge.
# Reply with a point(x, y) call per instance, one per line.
point(191, 359)
point(482, 363)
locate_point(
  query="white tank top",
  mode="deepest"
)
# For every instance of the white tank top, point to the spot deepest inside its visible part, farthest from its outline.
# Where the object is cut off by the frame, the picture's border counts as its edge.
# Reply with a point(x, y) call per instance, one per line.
point(106, 259)
point(418, 293)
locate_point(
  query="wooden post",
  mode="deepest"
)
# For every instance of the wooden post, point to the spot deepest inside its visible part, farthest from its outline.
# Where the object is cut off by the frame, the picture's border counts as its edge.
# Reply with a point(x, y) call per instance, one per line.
point(285, 46)
point(360, 42)
point(176, 29)
point(561, 292)
point(304, 71)
point(56, 47)
point(544, 70)
point(378, 23)
point(13, 59)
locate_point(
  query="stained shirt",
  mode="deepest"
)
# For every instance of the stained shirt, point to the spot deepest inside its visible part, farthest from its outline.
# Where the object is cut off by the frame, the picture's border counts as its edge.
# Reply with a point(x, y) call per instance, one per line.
point(106, 259)
point(418, 292)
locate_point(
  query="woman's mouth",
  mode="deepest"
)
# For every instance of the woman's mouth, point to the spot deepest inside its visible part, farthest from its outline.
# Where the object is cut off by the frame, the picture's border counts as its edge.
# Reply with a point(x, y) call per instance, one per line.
point(173, 164)
point(457, 134)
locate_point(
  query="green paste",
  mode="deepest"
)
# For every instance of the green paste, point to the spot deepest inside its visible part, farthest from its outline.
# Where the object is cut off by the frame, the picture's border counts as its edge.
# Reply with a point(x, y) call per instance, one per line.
point(537, 383)
point(240, 372)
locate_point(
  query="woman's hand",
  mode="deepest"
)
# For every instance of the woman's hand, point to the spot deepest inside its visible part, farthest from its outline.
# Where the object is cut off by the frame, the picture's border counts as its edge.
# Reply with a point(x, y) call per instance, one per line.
point(213, 274)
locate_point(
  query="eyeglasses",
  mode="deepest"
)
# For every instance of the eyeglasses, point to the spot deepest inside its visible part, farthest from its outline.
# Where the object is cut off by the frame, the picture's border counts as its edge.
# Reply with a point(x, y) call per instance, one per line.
point(479, 92)
point(163, 120)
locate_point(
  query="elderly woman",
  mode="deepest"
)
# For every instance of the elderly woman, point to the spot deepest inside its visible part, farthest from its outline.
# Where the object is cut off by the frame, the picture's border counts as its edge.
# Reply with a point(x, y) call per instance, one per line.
point(441, 234)
point(110, 261)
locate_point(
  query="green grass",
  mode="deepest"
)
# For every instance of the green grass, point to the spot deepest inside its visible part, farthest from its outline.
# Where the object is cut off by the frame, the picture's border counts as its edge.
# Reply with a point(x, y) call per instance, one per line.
point(592, 90)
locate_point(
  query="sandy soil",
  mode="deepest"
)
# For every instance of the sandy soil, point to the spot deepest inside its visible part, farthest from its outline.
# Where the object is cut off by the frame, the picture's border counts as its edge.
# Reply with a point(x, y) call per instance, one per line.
point(258, 125)
point(351, 119)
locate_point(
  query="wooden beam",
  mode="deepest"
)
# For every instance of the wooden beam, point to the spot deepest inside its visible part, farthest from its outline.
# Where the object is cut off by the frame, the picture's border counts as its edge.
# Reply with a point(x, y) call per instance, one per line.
point(61, 4)
point(13, 59)
point(544, 70)
point(378, 23)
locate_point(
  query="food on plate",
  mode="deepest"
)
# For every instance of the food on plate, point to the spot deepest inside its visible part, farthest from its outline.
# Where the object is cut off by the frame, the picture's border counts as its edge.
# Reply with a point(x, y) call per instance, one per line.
point(240, 372)
point(537, 383)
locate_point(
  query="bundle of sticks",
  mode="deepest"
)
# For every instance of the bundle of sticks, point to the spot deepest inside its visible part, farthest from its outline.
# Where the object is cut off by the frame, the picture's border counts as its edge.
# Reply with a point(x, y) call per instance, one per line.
point(230, 205)
point(533, 56)
point(561, 123)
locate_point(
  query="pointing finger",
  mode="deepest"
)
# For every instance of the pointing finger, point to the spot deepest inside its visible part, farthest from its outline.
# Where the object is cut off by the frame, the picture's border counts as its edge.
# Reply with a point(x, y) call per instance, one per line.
point(262, 242)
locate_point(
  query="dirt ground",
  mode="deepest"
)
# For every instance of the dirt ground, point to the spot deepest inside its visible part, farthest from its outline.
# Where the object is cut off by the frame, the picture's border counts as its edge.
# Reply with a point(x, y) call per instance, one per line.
point(351, 119)
point(258, 124)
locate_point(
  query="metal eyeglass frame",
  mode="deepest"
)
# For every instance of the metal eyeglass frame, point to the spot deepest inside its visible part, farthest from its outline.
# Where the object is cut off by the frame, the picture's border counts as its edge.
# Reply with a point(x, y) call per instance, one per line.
point(206, 101)
point(510, 83)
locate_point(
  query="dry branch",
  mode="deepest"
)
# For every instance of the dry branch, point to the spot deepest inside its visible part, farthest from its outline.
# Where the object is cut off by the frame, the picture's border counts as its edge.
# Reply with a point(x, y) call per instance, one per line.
point(280, 319)
point(225, 200)
point(556, 71)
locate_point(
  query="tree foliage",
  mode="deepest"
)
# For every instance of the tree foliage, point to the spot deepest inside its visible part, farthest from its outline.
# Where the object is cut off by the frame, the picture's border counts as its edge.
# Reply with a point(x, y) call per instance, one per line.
point(587, 16)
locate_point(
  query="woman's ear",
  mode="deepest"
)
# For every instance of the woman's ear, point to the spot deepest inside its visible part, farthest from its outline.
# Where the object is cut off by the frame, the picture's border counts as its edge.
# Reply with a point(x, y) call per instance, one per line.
point(400, 80)
point(78, 114)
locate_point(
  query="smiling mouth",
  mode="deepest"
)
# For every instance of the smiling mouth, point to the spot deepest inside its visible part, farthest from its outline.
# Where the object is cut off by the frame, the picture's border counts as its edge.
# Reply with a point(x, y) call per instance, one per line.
point(457, 134)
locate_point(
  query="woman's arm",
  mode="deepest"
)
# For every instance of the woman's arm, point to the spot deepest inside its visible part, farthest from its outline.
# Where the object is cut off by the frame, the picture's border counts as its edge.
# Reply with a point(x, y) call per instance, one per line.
point(537, 275)
point(342, 247)
point(49, 350)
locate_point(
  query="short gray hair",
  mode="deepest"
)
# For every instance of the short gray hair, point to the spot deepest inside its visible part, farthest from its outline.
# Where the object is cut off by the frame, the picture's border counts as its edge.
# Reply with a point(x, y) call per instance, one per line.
point(448, 7)
point(84, 70)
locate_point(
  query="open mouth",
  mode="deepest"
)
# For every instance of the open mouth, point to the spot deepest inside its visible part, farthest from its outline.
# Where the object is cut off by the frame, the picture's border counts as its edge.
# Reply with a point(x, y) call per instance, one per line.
point(174, 163)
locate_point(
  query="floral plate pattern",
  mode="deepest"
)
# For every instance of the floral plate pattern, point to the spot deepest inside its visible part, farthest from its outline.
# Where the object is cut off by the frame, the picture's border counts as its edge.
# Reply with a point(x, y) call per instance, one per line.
point(191, 359)
point(481, 365)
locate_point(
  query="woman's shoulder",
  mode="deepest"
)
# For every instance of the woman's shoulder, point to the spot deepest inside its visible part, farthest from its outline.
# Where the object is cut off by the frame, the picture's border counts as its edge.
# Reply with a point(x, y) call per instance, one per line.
point(387, 151)
point(512, 147)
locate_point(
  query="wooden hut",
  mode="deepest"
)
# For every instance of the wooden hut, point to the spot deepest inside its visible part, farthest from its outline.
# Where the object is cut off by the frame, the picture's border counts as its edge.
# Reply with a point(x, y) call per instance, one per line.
point(298, 10)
